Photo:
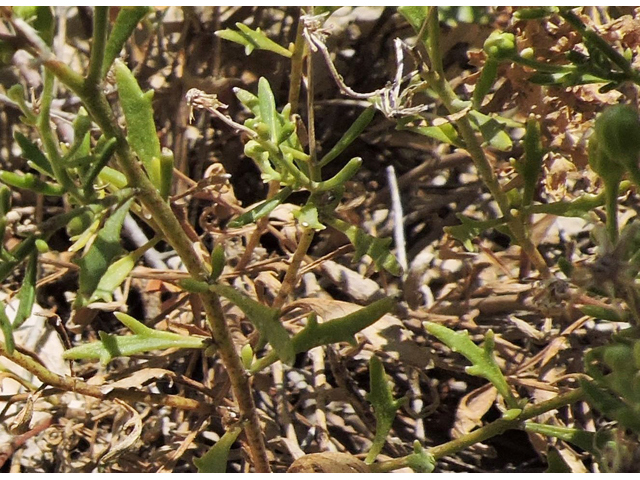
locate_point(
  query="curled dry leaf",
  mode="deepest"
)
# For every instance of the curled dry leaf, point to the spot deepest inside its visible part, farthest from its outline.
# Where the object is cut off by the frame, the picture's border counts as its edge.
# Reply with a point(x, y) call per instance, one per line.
point(135, 422)
point(328, 462)
point(472, 408)
point(142, 377)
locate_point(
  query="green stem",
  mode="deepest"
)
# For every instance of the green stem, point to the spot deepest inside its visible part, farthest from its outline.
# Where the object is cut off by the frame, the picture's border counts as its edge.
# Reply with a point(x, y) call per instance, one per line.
point(291, 276)
point(100, 23)
point(98, 107)
point(49, 140)
point(600, 43)
point(488, 431)
point(299, 49)
point(74, 384)
point(542, 67)
point(611, 190)
point(499, 426)
point(438, 82)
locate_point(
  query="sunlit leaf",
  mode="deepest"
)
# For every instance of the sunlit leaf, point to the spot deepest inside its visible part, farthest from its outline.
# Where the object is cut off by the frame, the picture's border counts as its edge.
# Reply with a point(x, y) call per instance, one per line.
point(384, 405)
point(144, 339)
point(215, 460)
point(252, 39)
point(264, 318)
point(94, 264)
point(261, 210)
point(484, 364)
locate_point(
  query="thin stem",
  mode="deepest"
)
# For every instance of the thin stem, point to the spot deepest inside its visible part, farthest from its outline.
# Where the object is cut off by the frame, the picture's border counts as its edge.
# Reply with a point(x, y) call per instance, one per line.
point(499, 426)
point(314, 169)
point(97, 105)
point(488, 431)
point(49, 141)
point(239, 380)
point(438, 82)
point(100, 23)
point(73, 384)
point(290, 277)
point(542, 67)
point(611, 195)
point(297, 58)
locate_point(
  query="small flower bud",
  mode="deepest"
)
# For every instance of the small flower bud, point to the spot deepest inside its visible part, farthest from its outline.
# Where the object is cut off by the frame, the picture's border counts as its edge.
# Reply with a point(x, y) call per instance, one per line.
point(501, 45)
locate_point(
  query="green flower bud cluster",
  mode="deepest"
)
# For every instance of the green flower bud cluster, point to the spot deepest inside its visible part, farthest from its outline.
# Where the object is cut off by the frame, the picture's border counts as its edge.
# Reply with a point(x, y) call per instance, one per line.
point(275, 148)
point(501, 46)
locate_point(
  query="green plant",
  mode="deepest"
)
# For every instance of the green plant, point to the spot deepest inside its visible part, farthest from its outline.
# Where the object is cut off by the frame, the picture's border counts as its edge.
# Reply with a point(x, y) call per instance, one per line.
point(116, 167)
point(107, 176)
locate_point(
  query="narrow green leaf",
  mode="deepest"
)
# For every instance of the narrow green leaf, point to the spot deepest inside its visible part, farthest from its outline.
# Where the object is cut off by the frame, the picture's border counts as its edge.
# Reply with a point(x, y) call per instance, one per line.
point(531, 167)
point(94, 264)
point(215, 460)
point(486, 81)
point(349, 136)
point(384, 406)
point(112, 176)
point(265, 319)
point(340, 178)
point(261, 210)
point(82, 140)
point(144, 339)
point(604, 313)
point(27, 293)
point(7, 330)
point(268, 110)
point(307, 217)
point(118, 272)
point(32, 153)
point(103, 157)
point(29, 181)
point(341, 329)
point(252, 39)
point(5, 201)
point(261, 41)
point(249, 100)
point(138, 112)
point(445, 133)
point(126, 22)
point(580, 438)
point(484, 364)
point(218, 261)
point(492, 130)
point(166, 172)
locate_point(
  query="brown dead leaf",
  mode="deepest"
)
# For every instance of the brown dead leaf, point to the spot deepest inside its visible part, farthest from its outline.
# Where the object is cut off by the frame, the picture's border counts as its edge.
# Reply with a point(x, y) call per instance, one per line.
point(328, 462)
point(360, 288)
point(22, 423)
point(142, 377)
point(472, 408)
point(121, 446)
